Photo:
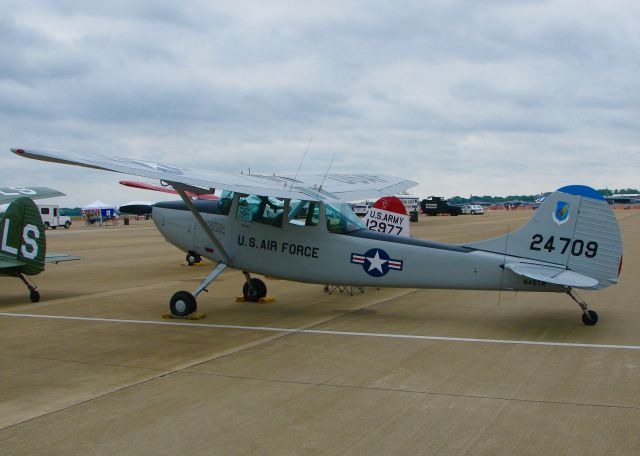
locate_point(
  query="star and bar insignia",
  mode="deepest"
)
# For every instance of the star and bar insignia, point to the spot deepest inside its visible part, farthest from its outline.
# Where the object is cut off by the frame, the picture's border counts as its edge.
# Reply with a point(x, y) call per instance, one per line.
point(376, 262)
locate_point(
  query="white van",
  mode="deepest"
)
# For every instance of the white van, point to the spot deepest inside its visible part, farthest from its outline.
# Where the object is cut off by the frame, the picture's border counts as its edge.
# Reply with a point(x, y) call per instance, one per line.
point(51, 217)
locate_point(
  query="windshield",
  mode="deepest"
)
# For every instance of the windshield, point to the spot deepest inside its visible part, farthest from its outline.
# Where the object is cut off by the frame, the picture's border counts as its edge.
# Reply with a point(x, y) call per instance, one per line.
point(341, 219)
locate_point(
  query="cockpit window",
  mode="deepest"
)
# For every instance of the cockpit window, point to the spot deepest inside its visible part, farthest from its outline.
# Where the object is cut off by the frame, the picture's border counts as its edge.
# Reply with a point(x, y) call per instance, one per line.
point(341, 219)
point(261, 209)
point(303, 213)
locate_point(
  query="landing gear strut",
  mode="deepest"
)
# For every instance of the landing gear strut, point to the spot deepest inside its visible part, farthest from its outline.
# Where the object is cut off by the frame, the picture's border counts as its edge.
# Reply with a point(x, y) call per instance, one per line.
point(253, 289)
point(589, 317)
point(184, 303)
point(34, 294)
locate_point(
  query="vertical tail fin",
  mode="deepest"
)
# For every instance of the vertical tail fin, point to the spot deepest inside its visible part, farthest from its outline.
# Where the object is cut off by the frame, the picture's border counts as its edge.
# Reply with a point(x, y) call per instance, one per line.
point(573, 228)
point(22, 236)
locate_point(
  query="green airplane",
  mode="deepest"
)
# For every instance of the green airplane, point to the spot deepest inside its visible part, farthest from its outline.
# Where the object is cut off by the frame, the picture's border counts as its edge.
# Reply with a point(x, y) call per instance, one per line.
point(23, 246)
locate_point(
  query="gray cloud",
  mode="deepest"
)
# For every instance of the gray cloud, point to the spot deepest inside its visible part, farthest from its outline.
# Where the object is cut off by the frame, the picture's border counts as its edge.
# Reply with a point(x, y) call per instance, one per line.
point(463, 97)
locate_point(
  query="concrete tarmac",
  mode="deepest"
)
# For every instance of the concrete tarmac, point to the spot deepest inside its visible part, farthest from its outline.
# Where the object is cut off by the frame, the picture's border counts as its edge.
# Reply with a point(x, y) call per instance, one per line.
point(95, 369)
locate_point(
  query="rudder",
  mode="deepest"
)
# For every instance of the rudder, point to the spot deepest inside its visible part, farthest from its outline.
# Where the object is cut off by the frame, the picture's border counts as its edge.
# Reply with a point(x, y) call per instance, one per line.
point(22, 235)
point(574, 228)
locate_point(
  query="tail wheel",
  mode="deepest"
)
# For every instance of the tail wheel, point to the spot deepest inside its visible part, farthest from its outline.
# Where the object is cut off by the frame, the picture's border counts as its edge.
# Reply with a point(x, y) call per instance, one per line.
point(34, 295)
point(182, 304)
point(254, 289)
point(591, 319)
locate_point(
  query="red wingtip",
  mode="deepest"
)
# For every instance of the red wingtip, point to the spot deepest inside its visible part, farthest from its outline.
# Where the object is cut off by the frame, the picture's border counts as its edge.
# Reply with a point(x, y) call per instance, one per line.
point(19, 151)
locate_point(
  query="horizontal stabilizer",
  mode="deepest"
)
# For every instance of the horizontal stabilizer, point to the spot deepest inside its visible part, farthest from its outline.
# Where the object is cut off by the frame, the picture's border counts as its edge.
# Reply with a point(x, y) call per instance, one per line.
point(553, 275)
point(58, 257)
point(9, 194)
point(8, 263)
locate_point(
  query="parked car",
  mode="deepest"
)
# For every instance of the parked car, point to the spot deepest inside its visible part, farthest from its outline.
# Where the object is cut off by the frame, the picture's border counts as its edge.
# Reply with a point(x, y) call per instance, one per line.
point(473, 209)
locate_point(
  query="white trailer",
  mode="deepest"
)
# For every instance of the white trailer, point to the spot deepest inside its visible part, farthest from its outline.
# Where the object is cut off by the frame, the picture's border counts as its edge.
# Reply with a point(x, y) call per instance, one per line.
point(51, 217)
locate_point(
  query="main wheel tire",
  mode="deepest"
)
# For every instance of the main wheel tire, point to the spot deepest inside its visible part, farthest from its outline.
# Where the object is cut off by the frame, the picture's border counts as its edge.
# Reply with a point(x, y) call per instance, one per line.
point(182, 304)
point(254, 290)
point(47, 225)
point(67, 225)
point(591, 320)
point(54, 227)
point(34, 295)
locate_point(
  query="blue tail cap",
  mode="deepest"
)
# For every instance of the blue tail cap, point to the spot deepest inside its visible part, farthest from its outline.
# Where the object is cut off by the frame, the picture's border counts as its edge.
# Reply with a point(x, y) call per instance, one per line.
point(582, 190)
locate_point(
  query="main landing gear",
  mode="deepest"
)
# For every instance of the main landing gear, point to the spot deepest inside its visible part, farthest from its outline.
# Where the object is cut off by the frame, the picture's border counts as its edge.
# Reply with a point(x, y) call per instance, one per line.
point(589, 317)
point(34, 294)
point(184, 303)
point(253, 289)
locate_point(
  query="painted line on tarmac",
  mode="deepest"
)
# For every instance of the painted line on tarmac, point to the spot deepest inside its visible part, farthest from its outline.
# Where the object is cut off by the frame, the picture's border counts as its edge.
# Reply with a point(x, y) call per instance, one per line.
point(329, 332)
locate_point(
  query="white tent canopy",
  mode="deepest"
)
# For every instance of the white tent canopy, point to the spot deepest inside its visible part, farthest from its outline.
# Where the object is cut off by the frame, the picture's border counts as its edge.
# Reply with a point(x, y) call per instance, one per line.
point(97, 204)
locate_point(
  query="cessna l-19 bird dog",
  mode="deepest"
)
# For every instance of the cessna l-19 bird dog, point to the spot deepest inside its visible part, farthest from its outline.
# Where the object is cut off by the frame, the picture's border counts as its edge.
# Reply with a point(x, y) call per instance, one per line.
point(301, 229)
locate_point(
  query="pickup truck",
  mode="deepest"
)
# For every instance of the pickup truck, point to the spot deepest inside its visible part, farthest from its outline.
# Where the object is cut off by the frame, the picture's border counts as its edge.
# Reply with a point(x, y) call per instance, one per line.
point(436, 205)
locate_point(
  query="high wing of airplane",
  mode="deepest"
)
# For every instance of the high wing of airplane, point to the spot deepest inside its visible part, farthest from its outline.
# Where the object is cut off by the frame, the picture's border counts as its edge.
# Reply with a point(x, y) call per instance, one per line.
point(8, 194)
point(23, 247)
point(317, 187)
point(302, 229)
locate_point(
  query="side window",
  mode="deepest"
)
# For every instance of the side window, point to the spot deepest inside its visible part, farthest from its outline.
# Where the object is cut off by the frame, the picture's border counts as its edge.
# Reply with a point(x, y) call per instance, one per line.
point(303, 213)
point(341, 219)
point(261, 209)
point(44, 210)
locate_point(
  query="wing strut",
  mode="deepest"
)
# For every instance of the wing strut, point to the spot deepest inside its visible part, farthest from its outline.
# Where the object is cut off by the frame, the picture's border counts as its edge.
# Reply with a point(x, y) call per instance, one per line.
point(181, 191)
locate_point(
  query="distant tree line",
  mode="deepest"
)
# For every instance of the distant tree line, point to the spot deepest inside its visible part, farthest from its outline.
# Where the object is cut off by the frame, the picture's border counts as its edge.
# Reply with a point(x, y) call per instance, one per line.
point(71, 212)
point(493, 199)
point(531, 198)
point(618, 191)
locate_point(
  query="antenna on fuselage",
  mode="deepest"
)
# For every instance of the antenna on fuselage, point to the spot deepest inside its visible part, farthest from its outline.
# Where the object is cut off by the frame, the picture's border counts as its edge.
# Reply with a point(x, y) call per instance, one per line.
point(327, 173)
point(301, 161)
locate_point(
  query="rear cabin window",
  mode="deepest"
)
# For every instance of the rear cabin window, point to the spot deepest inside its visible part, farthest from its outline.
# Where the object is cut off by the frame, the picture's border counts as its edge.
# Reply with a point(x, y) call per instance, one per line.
point(261, 209)
point(303, 213)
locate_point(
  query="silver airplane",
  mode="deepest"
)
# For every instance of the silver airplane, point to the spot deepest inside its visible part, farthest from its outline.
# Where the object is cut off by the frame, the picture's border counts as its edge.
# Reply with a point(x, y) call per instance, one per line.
point(301, 229)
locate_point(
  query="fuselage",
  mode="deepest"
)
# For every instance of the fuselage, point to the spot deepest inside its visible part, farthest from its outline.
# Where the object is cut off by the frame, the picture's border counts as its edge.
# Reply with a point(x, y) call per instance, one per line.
point(317, 253)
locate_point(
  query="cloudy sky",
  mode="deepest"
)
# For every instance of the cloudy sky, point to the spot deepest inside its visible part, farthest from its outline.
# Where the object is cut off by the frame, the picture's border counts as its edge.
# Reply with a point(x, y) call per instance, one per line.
point(464, 97)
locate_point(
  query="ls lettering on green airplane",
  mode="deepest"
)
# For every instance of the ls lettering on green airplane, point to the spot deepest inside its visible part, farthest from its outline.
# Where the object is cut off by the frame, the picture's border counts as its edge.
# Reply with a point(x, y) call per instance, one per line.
point(23, 246)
